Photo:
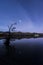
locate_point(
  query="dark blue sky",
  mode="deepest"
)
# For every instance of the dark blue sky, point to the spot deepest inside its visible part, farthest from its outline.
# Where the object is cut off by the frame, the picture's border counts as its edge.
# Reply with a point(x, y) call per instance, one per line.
point(27, 13)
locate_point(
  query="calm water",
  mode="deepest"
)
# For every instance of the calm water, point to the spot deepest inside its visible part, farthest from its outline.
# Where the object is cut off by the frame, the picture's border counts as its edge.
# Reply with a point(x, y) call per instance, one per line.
point(22, 52)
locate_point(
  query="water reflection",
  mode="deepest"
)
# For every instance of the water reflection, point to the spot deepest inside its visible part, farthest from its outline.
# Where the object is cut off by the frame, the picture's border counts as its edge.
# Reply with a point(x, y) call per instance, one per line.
point(7, 53)
point(24, 51)
point(10, 53)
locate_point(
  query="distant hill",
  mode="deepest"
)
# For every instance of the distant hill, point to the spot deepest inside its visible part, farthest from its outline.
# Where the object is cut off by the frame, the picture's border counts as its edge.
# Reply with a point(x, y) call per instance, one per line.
point(20, 34)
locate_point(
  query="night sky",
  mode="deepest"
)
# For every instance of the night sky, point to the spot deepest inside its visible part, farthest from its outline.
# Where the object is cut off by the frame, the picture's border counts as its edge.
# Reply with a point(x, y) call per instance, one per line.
point(27, 13)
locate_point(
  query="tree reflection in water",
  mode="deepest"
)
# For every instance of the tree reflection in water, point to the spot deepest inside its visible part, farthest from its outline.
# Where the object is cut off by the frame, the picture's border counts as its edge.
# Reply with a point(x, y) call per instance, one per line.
point(10, 53)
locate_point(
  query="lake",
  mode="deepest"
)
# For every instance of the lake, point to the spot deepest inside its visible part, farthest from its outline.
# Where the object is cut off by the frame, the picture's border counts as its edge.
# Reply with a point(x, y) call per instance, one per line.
point(22, 51)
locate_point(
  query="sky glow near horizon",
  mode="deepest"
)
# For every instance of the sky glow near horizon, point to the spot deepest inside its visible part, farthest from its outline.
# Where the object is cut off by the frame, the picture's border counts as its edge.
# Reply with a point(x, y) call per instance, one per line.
point(28, 14)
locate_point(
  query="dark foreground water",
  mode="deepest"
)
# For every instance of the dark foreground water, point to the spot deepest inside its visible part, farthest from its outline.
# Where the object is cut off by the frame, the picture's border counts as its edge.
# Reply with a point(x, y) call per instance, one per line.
point(22, 52)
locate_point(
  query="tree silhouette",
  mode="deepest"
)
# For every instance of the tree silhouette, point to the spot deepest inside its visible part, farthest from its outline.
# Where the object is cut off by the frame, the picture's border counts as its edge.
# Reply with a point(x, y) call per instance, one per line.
point(11, 29)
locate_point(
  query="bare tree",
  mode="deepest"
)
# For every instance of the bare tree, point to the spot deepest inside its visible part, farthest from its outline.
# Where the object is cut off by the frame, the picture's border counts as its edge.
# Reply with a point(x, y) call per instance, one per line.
point(11, 28)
